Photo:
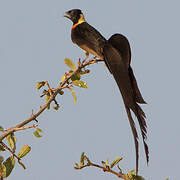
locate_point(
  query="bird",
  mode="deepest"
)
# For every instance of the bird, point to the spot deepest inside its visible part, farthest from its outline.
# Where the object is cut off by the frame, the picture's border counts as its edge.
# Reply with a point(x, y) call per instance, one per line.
point(116, 53)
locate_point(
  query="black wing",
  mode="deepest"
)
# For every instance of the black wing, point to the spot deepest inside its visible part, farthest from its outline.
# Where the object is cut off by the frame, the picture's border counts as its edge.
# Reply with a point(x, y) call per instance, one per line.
point(89, 39)
point(121, 44)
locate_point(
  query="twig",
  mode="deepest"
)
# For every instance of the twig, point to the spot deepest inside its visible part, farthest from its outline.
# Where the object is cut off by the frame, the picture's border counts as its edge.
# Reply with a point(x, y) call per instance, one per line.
point(105, 169)
point(25, 127)
point(7, 148)
point(52, 98)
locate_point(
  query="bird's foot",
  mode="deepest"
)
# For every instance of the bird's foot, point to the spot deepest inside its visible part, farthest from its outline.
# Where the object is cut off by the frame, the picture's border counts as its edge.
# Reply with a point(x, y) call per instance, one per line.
point(87, 55)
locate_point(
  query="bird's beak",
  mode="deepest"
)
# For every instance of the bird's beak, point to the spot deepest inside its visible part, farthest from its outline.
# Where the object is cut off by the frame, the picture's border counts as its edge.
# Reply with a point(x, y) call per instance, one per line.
point(67, 15)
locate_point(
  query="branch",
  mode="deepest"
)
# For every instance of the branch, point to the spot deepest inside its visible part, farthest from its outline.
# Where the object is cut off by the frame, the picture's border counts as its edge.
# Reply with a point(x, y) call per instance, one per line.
point(25, 127)
point(107, 167)
point(52, 98)
point(104, 168)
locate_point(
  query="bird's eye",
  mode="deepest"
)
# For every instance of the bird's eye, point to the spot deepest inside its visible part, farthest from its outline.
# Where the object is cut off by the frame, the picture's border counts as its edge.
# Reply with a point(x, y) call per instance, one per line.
point(69, 11)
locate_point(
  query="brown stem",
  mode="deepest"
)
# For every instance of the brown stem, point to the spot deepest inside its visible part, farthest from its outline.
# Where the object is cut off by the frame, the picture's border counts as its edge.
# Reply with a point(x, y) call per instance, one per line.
point(26, 127)
point(105, 169)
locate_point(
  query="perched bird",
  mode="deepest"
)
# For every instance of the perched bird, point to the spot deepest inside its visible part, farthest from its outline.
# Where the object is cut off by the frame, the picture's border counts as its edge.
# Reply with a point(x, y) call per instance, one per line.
point(116, 53)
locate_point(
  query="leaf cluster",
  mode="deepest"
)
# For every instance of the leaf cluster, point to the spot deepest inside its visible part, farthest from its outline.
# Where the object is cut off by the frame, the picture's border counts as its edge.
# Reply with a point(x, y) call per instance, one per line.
point(8, 164)
point(108, 167)
point(72, 78)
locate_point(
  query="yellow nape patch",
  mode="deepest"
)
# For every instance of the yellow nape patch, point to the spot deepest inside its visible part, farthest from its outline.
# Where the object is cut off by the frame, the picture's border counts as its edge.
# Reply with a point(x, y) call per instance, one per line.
point(81, 20)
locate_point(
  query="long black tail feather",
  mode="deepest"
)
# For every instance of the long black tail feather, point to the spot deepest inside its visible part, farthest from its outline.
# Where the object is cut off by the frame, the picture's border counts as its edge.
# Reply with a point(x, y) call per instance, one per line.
point(142, 123)
point(135, 135)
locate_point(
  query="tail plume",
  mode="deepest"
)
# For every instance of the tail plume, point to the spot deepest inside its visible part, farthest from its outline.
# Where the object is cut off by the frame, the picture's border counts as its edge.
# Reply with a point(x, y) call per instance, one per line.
point(135, 135)
point(130, 93)
point(142, 123)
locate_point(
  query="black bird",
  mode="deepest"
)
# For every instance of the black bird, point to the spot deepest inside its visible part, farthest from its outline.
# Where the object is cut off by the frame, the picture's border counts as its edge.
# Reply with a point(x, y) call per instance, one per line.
point(116, 53)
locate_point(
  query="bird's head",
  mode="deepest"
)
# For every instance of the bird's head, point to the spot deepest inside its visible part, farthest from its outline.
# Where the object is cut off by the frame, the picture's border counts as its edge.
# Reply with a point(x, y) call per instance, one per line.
point(75, 15)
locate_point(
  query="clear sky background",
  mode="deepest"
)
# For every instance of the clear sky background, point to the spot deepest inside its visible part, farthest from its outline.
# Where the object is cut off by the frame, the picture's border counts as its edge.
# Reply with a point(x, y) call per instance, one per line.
point(35, 39)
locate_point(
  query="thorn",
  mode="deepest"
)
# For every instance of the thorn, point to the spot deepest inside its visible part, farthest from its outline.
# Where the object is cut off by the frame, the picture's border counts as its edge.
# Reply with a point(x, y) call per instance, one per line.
point(32, 113)
point(36, 120)
point(119, 168)
point(33, 116)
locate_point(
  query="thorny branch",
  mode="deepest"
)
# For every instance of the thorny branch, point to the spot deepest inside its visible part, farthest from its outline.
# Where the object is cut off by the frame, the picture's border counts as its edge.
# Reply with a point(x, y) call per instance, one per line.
point(33, 116)
point(105, 169)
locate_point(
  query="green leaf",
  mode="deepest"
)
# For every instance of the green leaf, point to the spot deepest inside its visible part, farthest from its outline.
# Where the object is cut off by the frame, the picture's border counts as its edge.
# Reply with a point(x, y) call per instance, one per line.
point(74, 95)
point(56, 107)
point(133, 172)
point(1, 129)
point(116, 161)
point(1, 159)
point(2, 170)
point(24, 151)
point(39, 85)
point(70, 64)
point(76, 77)
point(66, 75)
point(2, 148)
point(107, 163)
point(80, 84)
point(61, 92)
point(36, 134)
point(138, 177)
point(63, 78)
point(132, 175)
point(47, 97)
point(82, 159)
point(39, 130)
point(77, 166)
point(11, 139)
point(9, 165)
point(103, 163)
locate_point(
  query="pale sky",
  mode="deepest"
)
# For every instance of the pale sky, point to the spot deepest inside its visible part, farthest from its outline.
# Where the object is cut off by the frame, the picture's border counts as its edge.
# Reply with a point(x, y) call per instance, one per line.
point(35, 39)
